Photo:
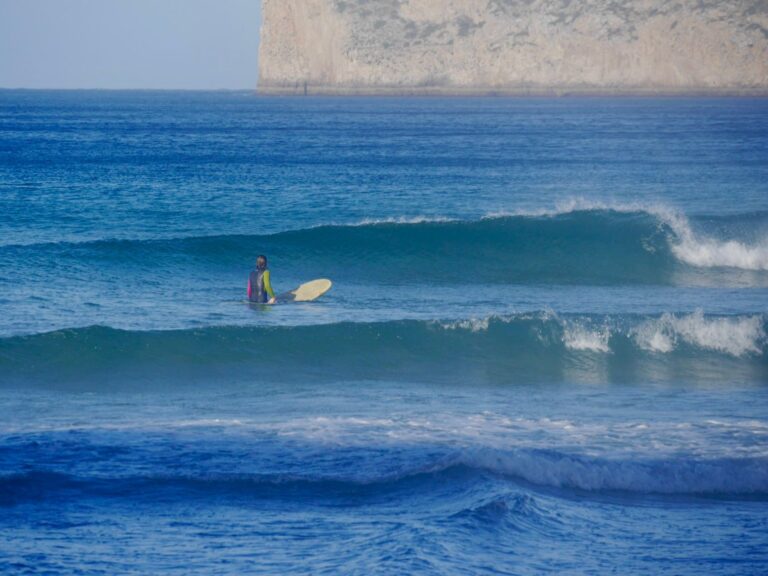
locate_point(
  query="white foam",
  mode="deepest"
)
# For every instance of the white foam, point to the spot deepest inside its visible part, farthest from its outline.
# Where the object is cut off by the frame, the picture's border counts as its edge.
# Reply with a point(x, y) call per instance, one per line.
point(577, 337)
point(404, 220)
point(731, 254)
point(737, 336)
point(470, 324)
point(482, 324)
point(579, 204)
point(688, 246)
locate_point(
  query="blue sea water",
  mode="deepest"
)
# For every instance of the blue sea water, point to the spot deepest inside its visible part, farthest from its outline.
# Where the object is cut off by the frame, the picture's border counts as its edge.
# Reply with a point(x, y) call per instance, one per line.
point(545, 348)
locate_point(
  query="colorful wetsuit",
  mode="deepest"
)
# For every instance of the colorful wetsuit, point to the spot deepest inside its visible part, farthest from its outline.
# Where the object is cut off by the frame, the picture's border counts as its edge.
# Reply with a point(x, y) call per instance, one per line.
point(260, 286)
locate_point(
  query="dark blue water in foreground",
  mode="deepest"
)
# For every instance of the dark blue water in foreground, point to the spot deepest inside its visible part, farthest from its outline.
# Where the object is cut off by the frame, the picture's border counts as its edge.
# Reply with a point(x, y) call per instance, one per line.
point(545, 349)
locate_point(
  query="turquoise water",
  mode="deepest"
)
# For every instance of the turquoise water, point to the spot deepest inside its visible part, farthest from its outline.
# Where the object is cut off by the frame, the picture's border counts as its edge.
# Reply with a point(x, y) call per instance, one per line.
point(545, 348)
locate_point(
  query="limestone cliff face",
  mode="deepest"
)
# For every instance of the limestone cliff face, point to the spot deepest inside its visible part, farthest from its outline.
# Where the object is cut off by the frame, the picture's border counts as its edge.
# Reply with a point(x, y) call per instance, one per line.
point(513, 46)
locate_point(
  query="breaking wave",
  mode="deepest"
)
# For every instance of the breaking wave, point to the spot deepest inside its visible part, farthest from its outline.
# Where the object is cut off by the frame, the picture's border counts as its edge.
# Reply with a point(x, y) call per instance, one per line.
point(543, 468)
point(497, 348)
point(574, 244)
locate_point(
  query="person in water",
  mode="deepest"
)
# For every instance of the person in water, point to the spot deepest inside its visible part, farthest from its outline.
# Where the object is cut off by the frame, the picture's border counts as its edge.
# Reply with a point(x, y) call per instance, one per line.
point(259, 283)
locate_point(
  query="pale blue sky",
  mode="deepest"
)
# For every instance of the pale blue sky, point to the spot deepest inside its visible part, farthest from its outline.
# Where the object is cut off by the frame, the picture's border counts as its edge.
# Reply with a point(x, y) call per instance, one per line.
point(190, 44)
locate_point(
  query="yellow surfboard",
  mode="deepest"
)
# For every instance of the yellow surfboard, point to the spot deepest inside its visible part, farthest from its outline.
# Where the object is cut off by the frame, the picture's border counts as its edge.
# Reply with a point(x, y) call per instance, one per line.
point(306, 292)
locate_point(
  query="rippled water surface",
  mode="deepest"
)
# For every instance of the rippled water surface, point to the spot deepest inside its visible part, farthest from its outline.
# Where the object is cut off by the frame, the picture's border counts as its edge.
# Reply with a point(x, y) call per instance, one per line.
point(544, 351)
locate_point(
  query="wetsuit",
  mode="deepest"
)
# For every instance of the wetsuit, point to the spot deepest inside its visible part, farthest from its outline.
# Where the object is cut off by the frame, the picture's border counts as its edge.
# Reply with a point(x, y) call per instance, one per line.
point(260, 286)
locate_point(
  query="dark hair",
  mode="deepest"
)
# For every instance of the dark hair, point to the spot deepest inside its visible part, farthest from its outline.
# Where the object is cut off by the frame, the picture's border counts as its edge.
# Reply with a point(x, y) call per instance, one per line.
point(261, 261)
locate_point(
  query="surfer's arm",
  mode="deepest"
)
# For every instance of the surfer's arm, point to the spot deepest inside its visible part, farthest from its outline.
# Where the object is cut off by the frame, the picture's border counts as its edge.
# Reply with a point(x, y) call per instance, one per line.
point(268, 286)
point(250, 289)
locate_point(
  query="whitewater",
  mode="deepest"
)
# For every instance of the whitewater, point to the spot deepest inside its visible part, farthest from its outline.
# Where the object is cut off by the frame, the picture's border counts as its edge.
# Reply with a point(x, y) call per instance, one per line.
point(545, 350)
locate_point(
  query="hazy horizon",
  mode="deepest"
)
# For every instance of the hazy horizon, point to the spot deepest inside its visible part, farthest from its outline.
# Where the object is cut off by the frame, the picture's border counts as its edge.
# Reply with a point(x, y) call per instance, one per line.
point(129, 44)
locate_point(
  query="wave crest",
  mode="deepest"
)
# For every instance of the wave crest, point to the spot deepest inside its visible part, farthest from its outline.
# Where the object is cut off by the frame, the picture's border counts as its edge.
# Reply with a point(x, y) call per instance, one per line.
point(538, 346)
point(543, 468)
point(579, 242)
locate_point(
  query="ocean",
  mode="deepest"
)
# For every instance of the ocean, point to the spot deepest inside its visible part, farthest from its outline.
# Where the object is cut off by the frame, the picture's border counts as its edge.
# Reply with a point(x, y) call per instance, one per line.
point(544, 351)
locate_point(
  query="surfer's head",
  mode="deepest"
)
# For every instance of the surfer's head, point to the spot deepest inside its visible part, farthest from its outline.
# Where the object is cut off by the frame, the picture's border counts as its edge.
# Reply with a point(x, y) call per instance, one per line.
point(261, 262)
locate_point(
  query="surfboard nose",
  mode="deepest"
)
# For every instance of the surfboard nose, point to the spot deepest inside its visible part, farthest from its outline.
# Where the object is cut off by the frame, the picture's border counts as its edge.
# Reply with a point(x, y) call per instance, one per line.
point(307, 292)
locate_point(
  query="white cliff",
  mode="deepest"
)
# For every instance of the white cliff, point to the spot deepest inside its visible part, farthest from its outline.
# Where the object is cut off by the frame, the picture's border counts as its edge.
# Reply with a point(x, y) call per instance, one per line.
point(513, 46)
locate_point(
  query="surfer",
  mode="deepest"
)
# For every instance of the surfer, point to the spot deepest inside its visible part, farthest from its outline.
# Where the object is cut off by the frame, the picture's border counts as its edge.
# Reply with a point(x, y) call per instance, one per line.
point(259, 283)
